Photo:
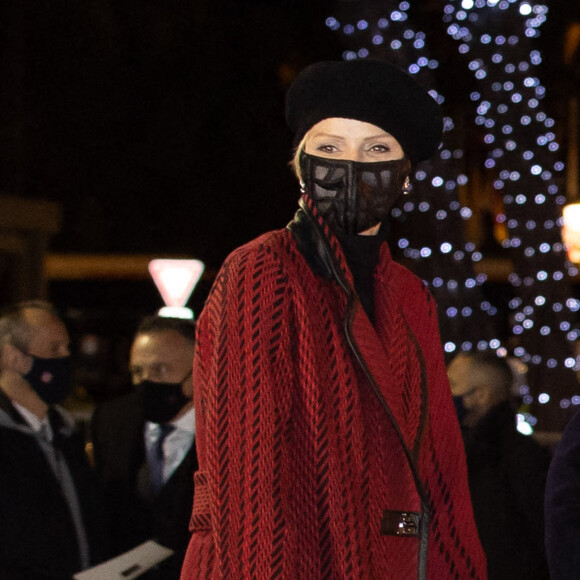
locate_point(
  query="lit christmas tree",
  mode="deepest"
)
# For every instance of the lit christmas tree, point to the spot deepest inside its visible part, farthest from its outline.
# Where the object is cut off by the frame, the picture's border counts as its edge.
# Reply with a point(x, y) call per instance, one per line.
point(496, 40)
point(428, 225)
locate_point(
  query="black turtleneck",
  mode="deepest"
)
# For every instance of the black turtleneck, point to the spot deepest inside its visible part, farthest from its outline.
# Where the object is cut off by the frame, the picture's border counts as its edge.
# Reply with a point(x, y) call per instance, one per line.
point(362, 256)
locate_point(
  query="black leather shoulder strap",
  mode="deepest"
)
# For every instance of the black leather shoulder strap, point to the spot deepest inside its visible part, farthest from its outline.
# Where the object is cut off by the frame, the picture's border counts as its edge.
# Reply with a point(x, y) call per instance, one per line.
point(310, 243)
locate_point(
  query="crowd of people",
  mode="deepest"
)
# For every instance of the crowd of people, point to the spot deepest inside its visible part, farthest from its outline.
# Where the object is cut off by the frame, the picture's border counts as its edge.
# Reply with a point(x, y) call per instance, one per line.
point(63, 510)
point(306, 425)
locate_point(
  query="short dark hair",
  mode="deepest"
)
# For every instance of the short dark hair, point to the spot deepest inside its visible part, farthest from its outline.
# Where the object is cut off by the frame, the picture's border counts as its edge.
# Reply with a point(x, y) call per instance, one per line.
point(155, 323)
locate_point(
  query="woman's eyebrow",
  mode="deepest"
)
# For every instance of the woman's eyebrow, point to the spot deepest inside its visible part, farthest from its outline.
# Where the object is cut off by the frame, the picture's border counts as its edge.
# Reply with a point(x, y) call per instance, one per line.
point(379, 136)
point(327, 136)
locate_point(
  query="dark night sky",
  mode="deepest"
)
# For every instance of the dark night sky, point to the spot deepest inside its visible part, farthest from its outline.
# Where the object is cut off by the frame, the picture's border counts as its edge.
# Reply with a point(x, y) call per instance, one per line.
point(159, 123)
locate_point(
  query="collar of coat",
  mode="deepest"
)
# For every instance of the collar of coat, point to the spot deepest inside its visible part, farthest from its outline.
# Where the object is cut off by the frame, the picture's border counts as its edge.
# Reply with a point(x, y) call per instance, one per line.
point(318, 244)
point(60, 421)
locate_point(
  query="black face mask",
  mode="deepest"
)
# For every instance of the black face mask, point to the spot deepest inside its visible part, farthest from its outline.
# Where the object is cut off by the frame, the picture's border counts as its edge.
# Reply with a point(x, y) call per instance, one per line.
point(49, 377)
point(352, 196)
point(162, 401)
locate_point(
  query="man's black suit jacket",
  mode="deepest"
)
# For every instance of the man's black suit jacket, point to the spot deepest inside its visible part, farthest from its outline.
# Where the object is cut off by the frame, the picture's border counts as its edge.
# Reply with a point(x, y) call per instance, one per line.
point(119, 453)
point(37, 534)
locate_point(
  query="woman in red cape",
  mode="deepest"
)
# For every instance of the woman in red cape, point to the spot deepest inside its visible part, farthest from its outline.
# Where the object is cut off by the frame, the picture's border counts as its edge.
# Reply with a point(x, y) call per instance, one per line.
point(327, 440)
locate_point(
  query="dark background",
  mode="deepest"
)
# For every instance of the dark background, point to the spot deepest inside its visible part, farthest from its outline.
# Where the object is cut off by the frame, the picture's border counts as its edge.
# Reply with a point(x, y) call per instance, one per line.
point(159, 126)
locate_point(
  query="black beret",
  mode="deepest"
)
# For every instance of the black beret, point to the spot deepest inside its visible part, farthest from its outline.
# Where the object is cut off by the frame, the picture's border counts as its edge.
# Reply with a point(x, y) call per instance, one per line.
point(367, 90)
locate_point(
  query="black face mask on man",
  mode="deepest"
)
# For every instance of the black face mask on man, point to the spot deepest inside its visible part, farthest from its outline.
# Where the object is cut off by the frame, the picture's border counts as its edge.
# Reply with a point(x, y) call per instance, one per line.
point(162, 401)
point(353, 196)
point(49, 378)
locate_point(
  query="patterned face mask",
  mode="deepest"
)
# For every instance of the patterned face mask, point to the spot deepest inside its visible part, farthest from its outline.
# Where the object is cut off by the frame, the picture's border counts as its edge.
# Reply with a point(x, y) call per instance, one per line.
point(352, 196)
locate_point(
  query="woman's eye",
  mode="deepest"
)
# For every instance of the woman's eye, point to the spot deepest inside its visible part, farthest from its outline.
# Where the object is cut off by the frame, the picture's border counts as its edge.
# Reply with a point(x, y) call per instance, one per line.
point(380, 148)
point(326, 148)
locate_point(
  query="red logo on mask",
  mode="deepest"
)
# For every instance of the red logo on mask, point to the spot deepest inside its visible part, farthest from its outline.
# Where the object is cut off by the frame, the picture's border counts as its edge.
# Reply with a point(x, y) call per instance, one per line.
point(46, 377)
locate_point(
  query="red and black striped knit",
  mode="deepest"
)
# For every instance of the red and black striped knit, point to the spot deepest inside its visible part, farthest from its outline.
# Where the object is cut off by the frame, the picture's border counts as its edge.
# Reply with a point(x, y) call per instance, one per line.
point(320, 434)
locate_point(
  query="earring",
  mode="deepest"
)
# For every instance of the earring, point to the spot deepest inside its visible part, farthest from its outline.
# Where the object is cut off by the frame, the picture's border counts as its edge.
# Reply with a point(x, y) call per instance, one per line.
point(406, 186)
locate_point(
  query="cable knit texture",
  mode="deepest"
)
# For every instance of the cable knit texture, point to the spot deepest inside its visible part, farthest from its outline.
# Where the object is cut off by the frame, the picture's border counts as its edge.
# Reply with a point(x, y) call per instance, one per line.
point(298, 457)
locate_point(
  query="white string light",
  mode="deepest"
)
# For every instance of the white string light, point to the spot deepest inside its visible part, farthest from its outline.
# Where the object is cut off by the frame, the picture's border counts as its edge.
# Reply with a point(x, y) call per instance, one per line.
point(432, 211)
point(496, 38)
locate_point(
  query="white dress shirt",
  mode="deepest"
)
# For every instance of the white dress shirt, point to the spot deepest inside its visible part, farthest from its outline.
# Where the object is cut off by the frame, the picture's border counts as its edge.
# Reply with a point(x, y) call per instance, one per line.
point(176, 445)
point(36, 424)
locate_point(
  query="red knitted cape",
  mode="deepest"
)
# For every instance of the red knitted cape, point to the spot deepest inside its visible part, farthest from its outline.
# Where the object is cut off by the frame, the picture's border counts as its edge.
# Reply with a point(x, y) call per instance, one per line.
point(298, 459)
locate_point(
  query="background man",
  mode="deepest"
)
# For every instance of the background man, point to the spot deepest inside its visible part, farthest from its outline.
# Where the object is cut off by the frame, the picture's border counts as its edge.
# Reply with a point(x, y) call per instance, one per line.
point(144, 442)
point(506, 470)
point(51, 522)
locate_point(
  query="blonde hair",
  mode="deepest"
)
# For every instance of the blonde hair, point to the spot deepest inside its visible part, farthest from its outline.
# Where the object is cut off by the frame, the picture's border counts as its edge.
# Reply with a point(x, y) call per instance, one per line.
point(295, 161)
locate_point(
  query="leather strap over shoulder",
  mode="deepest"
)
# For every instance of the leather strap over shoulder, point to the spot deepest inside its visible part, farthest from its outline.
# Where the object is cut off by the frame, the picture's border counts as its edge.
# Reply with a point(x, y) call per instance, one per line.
point(310, 243)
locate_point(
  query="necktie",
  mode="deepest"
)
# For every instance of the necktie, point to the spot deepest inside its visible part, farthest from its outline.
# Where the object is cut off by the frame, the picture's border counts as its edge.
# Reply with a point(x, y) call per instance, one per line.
point(155, 457)
point(45, 432)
